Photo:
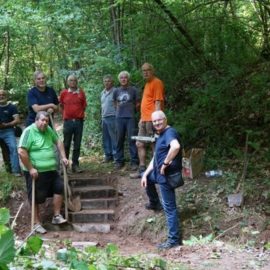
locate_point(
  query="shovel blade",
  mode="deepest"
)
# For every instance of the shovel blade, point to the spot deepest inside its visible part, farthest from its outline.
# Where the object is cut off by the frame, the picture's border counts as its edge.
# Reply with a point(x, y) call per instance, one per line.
point(235, 200)
point(74, 203)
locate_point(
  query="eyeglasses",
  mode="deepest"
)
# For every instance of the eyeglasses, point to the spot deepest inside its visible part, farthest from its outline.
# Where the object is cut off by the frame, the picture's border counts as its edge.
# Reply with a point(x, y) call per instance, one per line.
point(158, 121)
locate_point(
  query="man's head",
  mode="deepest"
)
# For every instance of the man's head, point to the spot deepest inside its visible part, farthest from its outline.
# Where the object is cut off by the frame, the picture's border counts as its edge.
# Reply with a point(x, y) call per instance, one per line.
point(39, 80)
point(108, 81)
point(159, 121)
point(123, 78)
point(42, 120)
point(3, 97)
point(148, 71)
point(72, 82)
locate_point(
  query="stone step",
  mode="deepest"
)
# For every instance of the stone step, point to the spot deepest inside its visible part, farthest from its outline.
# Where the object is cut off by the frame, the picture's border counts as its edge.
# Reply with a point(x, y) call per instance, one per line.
point(89, 181)
point(99, 203)
point(92, 216)
point(90, 192)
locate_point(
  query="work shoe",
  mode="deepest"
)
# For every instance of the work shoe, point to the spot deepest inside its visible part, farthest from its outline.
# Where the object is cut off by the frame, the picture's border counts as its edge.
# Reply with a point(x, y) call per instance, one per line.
point(138, 174)
point(156, 207)
point(39, 229)
point(107, 160)
point(118, 166)
point(133, 167)
point(58, 219)
point(167, 245)
point(76, 169)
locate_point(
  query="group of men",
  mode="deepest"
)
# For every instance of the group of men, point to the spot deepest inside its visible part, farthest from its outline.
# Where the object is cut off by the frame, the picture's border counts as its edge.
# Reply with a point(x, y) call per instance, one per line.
point(39, 141)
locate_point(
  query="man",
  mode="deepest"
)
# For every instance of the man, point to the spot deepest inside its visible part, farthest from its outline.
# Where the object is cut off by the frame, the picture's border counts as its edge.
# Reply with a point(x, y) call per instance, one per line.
point(9, 117)
point(166, 161)
point(152, 100)
point(73, 104)
point(37, 154)
point(126, 100)
point(40, 98)
point(108, 119)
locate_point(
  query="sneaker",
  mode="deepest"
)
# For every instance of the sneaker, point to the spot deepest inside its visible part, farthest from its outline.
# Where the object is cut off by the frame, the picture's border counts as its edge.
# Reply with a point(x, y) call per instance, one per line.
point(58, 219)
point(118, 166)
point(167, 245)
point(76, 169)
point(39, 229)
point(156, 207)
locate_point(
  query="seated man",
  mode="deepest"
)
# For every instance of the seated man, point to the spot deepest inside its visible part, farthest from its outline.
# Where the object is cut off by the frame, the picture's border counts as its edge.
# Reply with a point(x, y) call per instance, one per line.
point(9, 117)
point(36, 151)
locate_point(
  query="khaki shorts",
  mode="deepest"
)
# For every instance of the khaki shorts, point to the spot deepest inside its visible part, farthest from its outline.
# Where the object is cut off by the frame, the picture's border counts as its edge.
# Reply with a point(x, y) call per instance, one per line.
point(146, 129)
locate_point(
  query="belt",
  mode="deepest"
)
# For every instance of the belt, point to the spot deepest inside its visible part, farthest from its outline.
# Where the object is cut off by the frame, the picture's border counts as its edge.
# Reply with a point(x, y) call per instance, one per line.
point(75, 119)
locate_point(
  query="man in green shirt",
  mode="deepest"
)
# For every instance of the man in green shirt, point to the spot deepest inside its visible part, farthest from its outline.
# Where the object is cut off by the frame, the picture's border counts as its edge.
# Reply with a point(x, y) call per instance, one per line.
point(37, 154)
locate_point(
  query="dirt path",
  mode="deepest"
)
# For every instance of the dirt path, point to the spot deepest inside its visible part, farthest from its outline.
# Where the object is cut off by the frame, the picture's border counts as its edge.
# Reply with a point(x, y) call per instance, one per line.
point(132, 233)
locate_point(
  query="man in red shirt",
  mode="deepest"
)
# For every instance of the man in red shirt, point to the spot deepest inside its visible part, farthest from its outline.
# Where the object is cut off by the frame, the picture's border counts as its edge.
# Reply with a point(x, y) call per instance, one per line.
point(152, 100)
point(73, 104)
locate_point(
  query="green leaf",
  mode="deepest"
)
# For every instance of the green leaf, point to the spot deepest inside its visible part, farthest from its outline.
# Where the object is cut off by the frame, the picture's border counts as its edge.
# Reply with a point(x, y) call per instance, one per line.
point(4, 216)
point(111, 248)
point(34, 243)
point(7, 250)
point(78, 265)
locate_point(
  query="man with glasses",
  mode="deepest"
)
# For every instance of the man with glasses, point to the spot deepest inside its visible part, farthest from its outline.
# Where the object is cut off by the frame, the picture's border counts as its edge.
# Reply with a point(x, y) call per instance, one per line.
point(167, 160)
point(73, 104)
point(152, 100)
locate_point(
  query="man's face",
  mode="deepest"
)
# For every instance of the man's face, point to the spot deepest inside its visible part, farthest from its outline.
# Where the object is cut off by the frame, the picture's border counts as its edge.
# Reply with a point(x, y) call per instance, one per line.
point(42, 123)
point(147, 72)
point(123, 80)
point(3, 97)
point(108, 83)
point(40, 81)
point(72, 83)
point(159, 123)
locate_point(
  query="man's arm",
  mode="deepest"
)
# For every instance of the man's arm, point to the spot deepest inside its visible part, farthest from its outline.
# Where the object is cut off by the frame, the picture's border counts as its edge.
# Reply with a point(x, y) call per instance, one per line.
point(47, 107)
point(61, 150)
point(157, 105)
point(24, 156)
point(14, 122)
point(145, 174)
point(173, 151)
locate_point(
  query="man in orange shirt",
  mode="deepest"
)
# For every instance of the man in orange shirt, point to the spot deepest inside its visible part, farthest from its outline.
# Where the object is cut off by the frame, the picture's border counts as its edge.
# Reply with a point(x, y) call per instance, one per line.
point(152, 100)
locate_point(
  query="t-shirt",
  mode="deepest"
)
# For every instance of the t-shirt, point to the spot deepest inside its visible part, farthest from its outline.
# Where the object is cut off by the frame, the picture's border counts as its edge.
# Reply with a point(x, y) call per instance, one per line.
point(153, 91)
point(74, 104)
point(7, 113)
point(34, 96)
point(162, 147)
point(126, 99)
point(107, 104)
point(40, 147)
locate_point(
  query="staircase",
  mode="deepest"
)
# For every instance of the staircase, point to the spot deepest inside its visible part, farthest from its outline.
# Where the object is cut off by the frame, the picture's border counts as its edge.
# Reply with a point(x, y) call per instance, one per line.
point(99, 198)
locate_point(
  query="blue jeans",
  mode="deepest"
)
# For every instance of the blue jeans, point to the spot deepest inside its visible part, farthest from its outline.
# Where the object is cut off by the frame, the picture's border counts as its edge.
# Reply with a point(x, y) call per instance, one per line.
point(126, 126)
point(109, 137)
point(169, 206)
point(73, 129)
point(8, 136)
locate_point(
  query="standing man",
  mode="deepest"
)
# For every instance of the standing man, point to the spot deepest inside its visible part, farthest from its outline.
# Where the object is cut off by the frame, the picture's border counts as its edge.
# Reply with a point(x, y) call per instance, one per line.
point(9, 117)
point(167, 160)
point(73, 104)
point(126, 100)
point(108, 119)
point(36, 151)
point(152, 100)
point(40, 98)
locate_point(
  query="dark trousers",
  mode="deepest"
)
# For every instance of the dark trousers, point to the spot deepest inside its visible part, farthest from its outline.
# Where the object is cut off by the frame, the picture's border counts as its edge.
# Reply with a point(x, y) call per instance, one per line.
point(126, 126)
point(73, 129)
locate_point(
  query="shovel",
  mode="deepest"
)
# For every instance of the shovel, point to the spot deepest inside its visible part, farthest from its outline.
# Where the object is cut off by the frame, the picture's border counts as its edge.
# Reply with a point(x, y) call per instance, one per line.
point(33, 205)
point(73, 203)
point(237, 198)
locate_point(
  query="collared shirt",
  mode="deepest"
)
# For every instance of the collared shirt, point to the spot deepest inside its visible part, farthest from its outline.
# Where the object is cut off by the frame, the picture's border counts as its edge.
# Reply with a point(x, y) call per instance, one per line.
point(73, 104)
point(107, 103)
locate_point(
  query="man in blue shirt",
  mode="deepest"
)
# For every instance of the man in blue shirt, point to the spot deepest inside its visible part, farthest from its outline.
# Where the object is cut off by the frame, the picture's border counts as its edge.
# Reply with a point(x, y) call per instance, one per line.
point(166, 161)
point(9, 117)
point(40, 98)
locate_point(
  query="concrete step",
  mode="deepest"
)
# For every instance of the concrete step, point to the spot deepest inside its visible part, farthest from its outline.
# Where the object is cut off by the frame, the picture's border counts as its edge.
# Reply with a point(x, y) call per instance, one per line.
point(92, 227)
point(82, 181)
point(99, 203)
point(90, 192)
point(92, 216)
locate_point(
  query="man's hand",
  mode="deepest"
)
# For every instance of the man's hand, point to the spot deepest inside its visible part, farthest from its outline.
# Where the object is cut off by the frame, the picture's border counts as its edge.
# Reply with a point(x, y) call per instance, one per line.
point(50, 110)
point(34, 173)
point(65, 161)
point(144, 181)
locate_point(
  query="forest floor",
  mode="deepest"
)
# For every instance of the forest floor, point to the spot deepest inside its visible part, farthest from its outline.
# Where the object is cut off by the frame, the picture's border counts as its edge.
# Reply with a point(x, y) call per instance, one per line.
point(137, 230)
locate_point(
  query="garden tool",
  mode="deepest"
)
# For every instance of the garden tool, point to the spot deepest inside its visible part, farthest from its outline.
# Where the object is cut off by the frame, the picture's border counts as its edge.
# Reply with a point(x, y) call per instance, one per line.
point(33, 205)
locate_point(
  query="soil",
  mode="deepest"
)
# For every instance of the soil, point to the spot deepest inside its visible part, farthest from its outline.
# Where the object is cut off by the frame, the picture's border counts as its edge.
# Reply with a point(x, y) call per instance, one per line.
point(136, 231)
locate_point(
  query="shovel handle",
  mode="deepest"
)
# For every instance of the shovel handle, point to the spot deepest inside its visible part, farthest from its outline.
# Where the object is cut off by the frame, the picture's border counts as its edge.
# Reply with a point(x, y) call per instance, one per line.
point(65, 190)
point(33, 205)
